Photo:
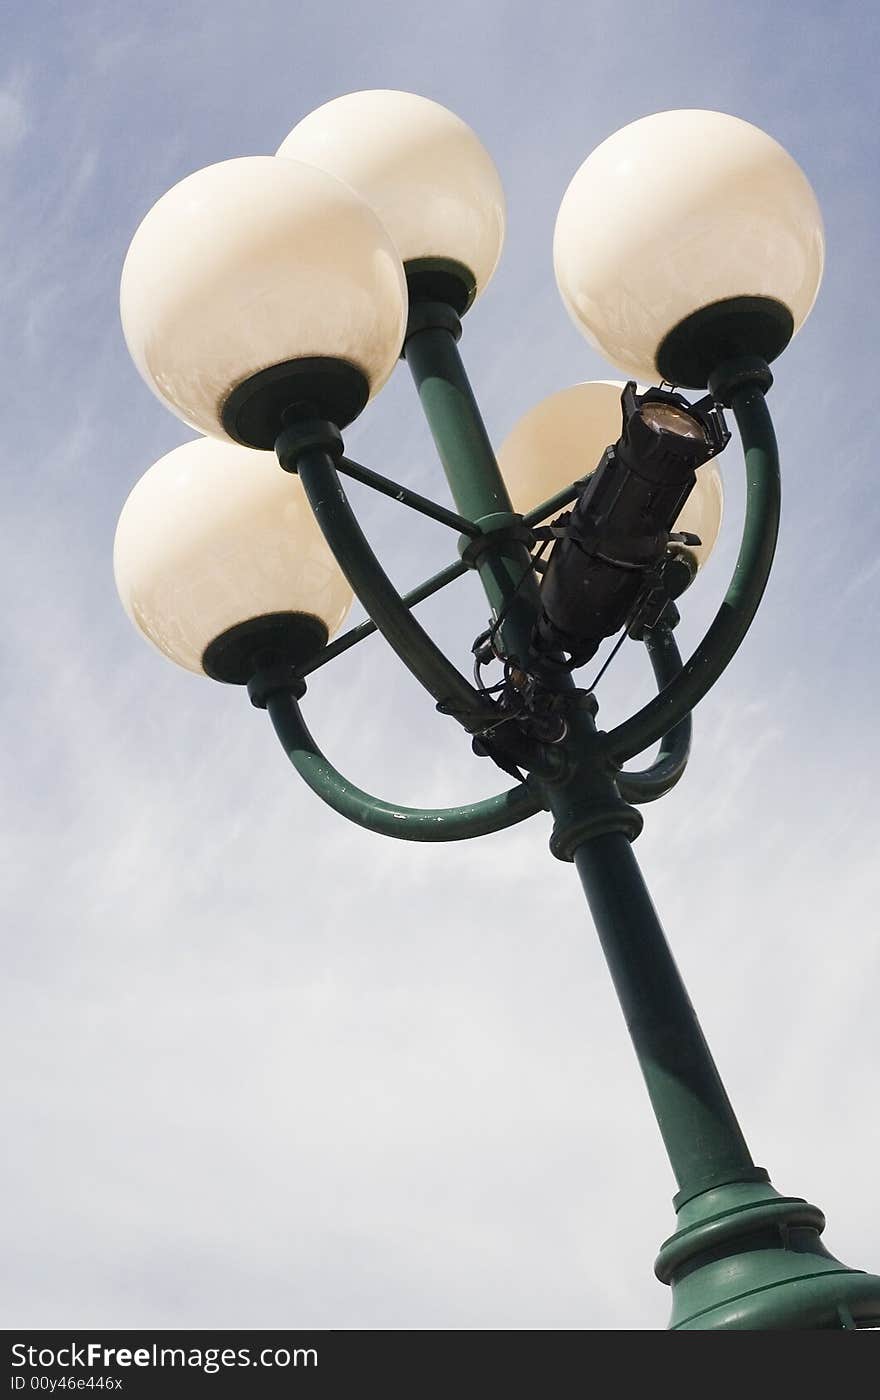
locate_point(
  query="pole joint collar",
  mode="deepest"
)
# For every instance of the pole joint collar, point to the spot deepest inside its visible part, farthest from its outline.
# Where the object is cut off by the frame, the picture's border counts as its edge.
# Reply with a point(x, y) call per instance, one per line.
point(431, 316)
point(501, 528)
point(299, 434)
point(741, 373)
point(272, 679)
point(615, 816)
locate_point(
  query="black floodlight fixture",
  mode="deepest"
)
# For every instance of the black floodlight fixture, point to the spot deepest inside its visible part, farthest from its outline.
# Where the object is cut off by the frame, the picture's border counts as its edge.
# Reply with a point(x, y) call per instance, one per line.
point(617, 547)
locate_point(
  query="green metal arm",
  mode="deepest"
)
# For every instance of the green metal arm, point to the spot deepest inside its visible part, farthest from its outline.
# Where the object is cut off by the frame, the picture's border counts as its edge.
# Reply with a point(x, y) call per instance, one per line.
point(432, 585)
point(418, 652)
point(421, 656)
point(407, 497)
point(670, 763)
point(366, 629)
point(387, 818)
point(733, 619)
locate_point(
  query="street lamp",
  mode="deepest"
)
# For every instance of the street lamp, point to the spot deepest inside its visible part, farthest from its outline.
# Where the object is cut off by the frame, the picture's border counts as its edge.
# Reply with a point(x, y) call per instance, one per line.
point(267, 299)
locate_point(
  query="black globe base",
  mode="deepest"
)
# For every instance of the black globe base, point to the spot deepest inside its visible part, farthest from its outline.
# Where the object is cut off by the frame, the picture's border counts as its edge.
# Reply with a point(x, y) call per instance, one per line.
point(440, 279)
point(327, 388)
point(758, 326)
point(275, 639)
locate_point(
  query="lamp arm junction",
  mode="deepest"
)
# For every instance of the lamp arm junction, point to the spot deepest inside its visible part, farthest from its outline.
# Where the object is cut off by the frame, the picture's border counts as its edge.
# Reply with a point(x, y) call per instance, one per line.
point(742, 385)
point(388, 818)
point(391, 615)
point(430, 586)
point(374, 589)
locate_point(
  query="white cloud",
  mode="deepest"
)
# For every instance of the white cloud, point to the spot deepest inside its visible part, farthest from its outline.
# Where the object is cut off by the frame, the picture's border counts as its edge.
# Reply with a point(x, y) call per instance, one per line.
point(13, 119)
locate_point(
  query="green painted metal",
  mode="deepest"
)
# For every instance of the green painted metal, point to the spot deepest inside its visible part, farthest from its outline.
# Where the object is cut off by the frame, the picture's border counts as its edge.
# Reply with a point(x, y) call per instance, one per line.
point(740, 604)
point(704, 1141)
point(743, 1256)
point(654, 782)
point(503, 561)
point(454, 418)
point(406, 496)
point(592, 819)
point(317, 472)
point(554, 503)
point(473, 474)
point(430, 586)
point(455, 823)
point(746, 1258)
point(584, 797)
point(387, 818)
point(366, 629)
point(455, 696)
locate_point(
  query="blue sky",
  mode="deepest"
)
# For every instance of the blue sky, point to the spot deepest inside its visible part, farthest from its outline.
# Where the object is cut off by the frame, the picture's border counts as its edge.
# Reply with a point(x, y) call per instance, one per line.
point(267, 1069)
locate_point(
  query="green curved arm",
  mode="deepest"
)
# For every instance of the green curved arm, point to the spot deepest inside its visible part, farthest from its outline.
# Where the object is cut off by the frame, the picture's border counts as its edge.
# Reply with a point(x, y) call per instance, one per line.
point(386, 818)
point(418, 652)
point(740, 604)
point(317, 472)
point(675, 746)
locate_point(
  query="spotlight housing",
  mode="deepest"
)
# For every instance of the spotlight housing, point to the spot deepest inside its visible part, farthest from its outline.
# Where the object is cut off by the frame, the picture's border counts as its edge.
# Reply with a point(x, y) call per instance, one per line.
point(616, 554)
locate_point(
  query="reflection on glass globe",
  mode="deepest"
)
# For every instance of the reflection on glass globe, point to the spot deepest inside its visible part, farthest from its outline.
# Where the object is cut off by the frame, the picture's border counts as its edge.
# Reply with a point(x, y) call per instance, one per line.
point(429, 178)
point(563, 438)
point(217, 553)
point(255, 263)
point(685, 237)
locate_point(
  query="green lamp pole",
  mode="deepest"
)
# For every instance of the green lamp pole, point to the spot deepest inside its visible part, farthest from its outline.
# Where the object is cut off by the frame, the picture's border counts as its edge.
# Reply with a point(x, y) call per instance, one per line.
point(743, 1256)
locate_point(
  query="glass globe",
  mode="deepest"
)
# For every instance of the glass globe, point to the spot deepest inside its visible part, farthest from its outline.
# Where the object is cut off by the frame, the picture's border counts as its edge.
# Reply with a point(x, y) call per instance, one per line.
point(252, 264)
point(702, 512)
point(216, 541)
point(430, 180)
point(675, 217)
point(563, 438)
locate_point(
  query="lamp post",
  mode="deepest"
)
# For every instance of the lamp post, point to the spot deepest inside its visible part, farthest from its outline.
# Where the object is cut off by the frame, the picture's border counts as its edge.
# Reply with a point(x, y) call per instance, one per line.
point(266, 300)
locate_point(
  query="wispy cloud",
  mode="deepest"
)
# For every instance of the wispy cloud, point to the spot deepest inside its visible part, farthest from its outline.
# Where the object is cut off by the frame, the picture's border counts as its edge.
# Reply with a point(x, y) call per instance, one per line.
point(13, 115)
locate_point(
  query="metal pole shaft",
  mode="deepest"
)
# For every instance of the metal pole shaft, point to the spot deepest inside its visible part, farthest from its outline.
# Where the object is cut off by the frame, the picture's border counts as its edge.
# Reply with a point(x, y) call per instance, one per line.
point(702, 1136)
point(455, 422)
